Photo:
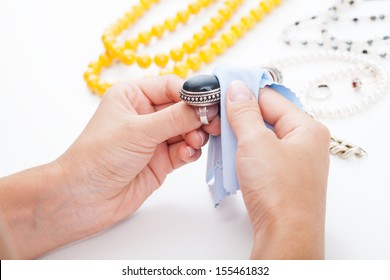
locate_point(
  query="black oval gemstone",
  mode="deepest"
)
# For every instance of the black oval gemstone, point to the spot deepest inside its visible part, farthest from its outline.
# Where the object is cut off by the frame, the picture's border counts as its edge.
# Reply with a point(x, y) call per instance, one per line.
point(201, 90)
point(201, 83)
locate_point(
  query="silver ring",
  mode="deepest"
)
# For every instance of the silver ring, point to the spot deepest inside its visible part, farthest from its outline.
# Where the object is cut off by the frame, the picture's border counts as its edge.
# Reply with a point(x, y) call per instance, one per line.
point(203, 115)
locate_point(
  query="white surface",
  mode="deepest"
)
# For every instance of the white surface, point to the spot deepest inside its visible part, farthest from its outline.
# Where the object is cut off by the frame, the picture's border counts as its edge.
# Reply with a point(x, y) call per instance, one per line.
point(45, 46)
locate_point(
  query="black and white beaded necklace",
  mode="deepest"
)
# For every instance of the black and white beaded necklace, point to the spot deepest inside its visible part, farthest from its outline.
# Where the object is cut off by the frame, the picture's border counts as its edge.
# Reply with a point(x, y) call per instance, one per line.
point(374, 46)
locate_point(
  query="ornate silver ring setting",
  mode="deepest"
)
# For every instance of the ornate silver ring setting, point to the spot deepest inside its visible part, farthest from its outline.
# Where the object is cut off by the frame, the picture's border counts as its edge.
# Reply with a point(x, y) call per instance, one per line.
point(201, 91)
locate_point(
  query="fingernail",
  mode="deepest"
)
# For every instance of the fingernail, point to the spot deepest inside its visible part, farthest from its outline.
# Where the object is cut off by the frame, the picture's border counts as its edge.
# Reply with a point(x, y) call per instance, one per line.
point(201, 138)
point(190, 151)
point(238, 91)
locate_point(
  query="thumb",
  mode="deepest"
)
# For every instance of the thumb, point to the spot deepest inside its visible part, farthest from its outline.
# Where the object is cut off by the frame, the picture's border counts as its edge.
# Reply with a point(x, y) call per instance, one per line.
point(242, 109)
point(174, 120)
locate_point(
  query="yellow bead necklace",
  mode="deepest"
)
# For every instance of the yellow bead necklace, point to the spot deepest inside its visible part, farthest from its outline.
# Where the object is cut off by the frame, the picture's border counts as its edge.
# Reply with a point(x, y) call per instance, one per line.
point(189, 56)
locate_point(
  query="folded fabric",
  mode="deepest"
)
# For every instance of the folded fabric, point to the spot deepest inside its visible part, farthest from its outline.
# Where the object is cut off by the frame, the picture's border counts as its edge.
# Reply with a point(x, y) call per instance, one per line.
point(221, 174)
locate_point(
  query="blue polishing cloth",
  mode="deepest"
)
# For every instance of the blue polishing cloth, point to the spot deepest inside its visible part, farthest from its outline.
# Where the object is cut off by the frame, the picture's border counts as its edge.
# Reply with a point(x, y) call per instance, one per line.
point(221, 174)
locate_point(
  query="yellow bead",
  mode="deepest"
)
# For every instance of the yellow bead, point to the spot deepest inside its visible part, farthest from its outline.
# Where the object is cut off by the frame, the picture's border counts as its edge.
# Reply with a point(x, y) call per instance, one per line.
point(88, 73)
point(207, 54)
point(102, 87)
point(123, 23)
point(161, 59)
point(194, 8)
point(190, 46)
point(138, 10)
point(230, 38)
point(267, 6)
point(115, 50)
point(144, 61)
point(177, 54)
point(131, 44)
point(249, 21)
point(257, 13)
point(158, 30)
point(170, 24)
point(132, 16)
point(226, 12)
point(105, 60)
point(146, 3)
point(200, 37)
point(277, 2)
point(181, 69)
point(239, 29)
point(218, 21)
point(95, 66)
point(128, 57)
point(144, 37)
point(209, 29)
point(232, 3)
point(183, 16)
point(194, 61)
point(205, 3)
point(219, 46)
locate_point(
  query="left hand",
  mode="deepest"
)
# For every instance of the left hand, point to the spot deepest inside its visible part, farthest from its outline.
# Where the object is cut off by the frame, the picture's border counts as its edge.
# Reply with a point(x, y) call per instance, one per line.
point(136, 137)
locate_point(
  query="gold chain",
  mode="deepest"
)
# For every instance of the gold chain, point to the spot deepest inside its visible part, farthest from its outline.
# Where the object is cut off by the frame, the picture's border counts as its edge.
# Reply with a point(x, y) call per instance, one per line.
point(189, 56)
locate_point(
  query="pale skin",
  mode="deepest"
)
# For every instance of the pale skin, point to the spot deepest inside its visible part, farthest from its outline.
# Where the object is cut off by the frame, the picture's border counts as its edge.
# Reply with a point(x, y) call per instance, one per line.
point(139, 134)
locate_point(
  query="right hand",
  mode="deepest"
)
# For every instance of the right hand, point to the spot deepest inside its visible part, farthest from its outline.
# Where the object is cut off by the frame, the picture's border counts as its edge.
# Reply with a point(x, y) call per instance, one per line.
point(282, 173)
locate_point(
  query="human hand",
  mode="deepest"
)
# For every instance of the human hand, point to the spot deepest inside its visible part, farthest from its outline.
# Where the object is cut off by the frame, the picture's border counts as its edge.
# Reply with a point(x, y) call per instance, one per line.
point(282, 174)
point(136, 137)
point(139, 134)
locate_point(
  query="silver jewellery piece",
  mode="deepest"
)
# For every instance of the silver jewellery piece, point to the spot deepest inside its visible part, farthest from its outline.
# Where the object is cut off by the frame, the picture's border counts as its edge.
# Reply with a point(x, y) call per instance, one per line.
point(366, 77)
point(275, 73)
point(327, 40)
point(201, 91)
point(345, 149)
point(203, 115)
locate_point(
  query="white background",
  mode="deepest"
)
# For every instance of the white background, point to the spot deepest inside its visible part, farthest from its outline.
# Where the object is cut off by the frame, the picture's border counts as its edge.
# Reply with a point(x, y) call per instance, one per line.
point(45, 45)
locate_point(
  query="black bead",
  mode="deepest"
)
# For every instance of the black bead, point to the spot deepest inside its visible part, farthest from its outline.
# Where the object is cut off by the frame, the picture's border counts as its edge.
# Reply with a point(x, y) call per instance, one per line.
point(335, 47)
point(365, 52)
point(201, 83)
point(304, 43)
point(287, 42)
point(349, 42)
point(349, 49)
point(320, 44)
point(296, 23)
point(383, 55)
point(382, 17)
point(351, 3)
point(373, 18)
point(355, 19)
point(370, 42)
point(387, 37)
point(313, 17)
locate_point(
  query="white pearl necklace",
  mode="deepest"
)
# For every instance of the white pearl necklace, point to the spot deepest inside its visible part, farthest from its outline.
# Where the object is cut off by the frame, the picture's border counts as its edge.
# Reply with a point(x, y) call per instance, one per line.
point(360, 65)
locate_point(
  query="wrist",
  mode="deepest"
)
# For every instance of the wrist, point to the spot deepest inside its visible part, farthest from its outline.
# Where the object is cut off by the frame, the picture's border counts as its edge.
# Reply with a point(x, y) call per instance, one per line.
point(291, 236)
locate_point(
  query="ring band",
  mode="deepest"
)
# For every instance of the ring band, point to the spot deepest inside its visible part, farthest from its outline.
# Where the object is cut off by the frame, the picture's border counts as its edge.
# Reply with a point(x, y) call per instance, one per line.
point(203, 115)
